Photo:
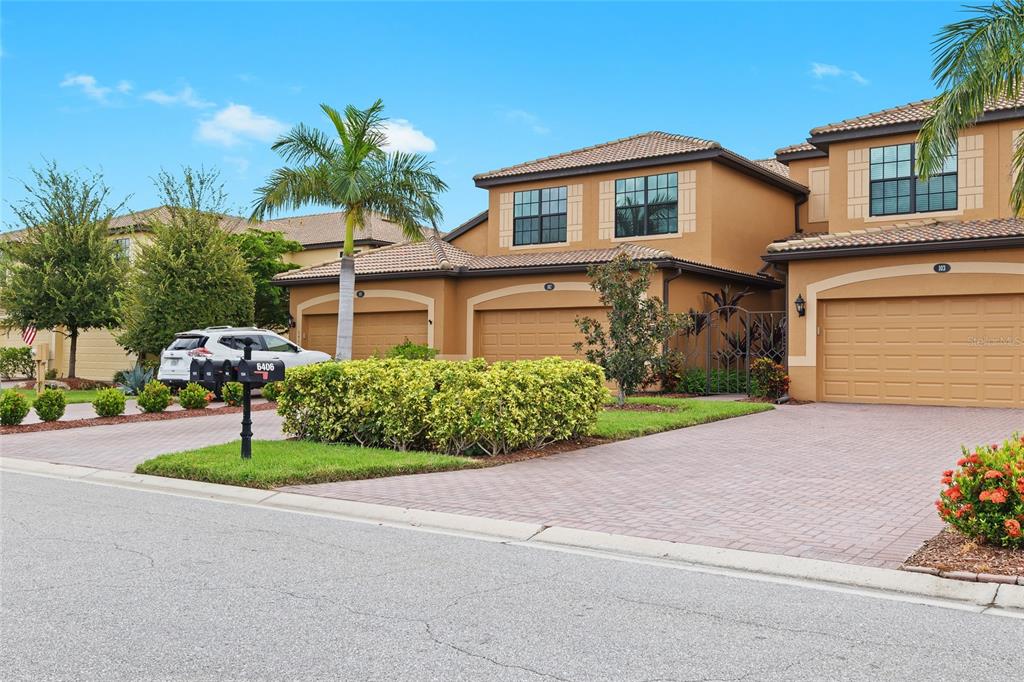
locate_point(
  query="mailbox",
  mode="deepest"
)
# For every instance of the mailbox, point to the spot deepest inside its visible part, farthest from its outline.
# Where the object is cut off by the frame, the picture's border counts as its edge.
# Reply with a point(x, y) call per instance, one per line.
point(259, 372)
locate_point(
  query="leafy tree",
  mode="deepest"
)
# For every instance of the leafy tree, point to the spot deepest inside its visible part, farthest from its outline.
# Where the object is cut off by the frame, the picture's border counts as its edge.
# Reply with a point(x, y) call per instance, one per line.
point(191, 274)
point(977, 60)
point(629, 349)
point(63, 270)
point(352, 172)
point(262, 252)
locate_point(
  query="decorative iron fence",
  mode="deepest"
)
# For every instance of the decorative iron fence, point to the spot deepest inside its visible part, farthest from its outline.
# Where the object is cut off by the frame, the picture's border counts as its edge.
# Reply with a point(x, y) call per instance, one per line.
point(714, 355)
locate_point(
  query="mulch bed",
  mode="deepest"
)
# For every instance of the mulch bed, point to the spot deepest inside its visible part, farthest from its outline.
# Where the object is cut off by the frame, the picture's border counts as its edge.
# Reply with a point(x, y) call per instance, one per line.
point(128, 419)
point(640, 407)
point(951, 551)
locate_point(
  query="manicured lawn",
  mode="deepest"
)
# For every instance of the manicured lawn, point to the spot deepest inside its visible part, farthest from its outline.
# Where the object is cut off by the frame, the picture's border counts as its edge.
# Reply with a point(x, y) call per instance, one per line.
point(70, 397)
point(619, 424)
point(277, 463)
point(292, 462)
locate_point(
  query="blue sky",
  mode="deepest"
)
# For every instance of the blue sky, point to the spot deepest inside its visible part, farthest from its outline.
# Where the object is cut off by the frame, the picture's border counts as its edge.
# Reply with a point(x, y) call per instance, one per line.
point(130, 88)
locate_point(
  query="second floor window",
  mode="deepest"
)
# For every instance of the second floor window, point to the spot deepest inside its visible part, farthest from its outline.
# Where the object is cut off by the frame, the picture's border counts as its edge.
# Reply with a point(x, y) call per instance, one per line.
point(539, 216)
point(896, 189)
point(125, 245)
point(646, 205)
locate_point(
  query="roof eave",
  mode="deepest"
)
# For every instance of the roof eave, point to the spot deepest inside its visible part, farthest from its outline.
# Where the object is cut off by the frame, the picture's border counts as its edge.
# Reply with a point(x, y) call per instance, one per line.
point(826, 138)
point(723, 155)
point(786, 157)
point(884, 249)
point(466, 226)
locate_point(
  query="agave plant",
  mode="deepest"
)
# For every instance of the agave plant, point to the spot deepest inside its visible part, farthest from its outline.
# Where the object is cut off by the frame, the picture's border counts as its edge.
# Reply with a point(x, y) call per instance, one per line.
point(135, 379)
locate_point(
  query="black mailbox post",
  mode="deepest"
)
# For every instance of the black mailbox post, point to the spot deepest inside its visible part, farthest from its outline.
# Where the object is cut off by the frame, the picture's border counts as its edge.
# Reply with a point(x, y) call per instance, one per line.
point(249, 373)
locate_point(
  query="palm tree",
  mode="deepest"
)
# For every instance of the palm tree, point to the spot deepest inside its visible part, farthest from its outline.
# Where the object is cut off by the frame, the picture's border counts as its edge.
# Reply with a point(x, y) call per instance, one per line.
point(977, 61)
point(352, 173)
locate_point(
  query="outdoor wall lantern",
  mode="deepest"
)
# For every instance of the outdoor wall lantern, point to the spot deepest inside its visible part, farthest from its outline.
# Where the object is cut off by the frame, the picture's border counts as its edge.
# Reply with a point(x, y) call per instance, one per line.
point(801, 307)
point(291, 321)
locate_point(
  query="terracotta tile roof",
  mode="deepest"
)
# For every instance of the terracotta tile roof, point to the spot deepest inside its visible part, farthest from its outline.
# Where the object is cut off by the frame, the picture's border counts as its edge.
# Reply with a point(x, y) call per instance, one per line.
point(793, 148)
point(436, 255)
point(919, 232)
point(774, 166)
point(329, 228)
point(908, 113)
point(140, 219)
point(642, 146)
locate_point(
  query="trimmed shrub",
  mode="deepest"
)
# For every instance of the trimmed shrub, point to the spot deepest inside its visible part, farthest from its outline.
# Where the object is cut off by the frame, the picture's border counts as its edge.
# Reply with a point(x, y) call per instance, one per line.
point(407, 350)
point(13, 408)
point(51, 374)
point(272, 390)
point(109, 402)
point(453, 407)
point(194, 397)
point(155, 397)
point(232, 393)
point(50, 404)
point(984, 496)
point(17, 361)
point(768, 379)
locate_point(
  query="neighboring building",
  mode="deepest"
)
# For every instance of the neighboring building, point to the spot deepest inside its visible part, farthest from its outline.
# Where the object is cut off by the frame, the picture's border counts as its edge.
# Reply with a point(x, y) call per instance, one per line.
point(913, 290)
point(99, 355)
point(510, 282)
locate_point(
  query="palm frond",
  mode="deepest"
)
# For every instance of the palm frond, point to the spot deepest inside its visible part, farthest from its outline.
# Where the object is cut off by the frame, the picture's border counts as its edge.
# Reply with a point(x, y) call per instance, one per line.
point(977, 60)
point(303, 144)
point(290, 188)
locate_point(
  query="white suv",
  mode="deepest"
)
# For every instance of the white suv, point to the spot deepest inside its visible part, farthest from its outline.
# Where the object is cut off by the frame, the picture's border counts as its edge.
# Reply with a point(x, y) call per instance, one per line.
point(228, 343)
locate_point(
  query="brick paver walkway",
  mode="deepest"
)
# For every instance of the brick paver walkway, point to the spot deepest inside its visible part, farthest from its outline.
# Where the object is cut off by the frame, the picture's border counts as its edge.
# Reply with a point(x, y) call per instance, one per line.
point(851, 483)
point(122, 446)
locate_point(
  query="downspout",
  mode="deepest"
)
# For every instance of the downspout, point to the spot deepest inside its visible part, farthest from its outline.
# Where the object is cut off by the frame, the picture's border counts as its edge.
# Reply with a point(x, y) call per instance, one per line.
point(796, 213)
point(664, 286)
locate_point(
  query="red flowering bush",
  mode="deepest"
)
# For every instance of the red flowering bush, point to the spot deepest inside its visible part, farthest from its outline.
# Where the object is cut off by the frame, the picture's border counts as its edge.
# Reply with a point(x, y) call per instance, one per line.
point(984, 496)
point(768, 379)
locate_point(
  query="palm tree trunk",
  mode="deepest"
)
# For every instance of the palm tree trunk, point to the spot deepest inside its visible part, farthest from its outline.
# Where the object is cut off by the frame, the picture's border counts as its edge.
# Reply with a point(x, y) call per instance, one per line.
point(346, 305)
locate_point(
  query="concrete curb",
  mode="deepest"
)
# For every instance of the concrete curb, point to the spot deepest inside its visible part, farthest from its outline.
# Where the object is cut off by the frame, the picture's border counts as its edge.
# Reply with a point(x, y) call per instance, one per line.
point(980, 595)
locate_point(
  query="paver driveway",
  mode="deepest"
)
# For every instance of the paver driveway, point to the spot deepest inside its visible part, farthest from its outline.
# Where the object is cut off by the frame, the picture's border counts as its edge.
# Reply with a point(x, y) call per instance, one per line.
point(123, 446)
point(852, 483)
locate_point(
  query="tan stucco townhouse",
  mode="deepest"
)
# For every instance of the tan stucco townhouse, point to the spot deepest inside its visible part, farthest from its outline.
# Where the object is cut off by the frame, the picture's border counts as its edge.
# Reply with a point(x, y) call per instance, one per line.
point(912, 290)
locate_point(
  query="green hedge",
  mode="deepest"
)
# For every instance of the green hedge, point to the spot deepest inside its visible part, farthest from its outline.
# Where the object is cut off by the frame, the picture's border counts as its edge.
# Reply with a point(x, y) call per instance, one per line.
point(452, 407)
point(694, 381)
point(17, 361)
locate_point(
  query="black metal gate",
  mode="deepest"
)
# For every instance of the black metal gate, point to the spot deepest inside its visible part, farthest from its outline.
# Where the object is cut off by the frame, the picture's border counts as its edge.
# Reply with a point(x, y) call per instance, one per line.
point(715, 353)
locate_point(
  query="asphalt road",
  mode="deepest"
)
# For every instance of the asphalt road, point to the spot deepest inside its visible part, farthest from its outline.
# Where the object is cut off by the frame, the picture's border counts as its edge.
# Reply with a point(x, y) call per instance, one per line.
point(107, 583)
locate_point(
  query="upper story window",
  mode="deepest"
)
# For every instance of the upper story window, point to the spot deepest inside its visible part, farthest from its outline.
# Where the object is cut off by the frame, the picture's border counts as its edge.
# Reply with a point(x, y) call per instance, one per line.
point(896, 189)
point(646, 205)
point(125, 245)
point(539, 216)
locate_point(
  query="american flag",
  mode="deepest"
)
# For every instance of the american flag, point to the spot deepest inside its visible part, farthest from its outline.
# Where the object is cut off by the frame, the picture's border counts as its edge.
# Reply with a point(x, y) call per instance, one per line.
point(28, 334)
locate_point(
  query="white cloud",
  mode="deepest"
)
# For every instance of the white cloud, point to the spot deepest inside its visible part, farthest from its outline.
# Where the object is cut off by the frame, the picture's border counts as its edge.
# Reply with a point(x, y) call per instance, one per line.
point(185, 97)
point(532, 121)
point(237, 122)
point(403, 137)
point(124, 86)
point(240, 163)
point(89, 86)
point(821, 71)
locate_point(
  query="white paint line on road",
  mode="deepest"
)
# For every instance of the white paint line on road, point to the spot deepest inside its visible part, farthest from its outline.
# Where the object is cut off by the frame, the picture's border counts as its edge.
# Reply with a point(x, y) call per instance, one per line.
point(884, 583)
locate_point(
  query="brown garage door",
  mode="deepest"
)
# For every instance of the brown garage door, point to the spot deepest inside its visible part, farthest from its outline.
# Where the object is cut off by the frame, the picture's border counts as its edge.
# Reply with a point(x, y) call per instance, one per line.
point(529, 334)
point(934, 350)
point(373, 332)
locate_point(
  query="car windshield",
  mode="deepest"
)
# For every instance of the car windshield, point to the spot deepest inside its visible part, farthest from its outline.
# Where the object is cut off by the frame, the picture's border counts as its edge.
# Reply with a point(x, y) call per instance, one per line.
point(276, 344)
point(186, 342)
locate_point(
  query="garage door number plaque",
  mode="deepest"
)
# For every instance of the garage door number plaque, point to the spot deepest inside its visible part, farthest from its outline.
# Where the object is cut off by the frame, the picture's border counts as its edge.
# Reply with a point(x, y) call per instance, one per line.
point(942, 267)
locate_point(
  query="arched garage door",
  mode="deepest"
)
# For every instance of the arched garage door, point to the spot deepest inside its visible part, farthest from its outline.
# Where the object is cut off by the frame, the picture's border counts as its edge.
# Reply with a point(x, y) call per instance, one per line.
point(530, 334)
point(372, 332)
point(928, 350)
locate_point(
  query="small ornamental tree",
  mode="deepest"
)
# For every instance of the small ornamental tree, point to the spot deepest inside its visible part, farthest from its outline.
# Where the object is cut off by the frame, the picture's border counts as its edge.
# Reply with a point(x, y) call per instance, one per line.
point(191, 274)
point(63, 270)
point(629, 346)
point(262, 252)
